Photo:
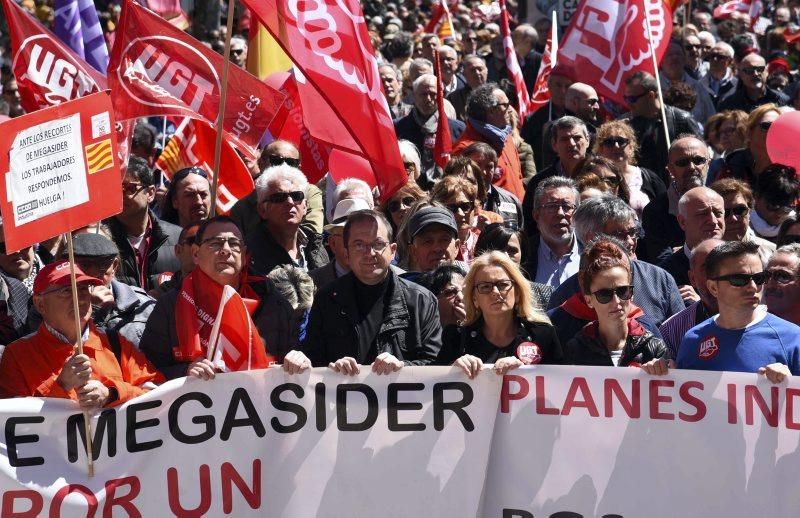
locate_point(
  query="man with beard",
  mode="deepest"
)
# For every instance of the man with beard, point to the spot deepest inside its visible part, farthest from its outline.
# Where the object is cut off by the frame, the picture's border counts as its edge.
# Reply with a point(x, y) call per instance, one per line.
point(782, 291)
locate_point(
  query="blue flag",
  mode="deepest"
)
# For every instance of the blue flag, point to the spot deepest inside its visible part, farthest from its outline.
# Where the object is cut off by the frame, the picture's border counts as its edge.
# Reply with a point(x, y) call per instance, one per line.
point(77, 25)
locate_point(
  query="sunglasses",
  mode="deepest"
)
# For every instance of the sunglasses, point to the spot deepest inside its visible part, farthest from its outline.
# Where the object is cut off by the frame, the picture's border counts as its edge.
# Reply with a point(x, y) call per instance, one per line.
point(751, 71)
point(402, 203)
point(781, 276)
point(605, 295)
point(132, 189)
point(616, 142)
point(739, 280)
point(765, 126)
point(449, 293)
point(696, 160)
point(611, 181)
point(631, 99)
point(503, 287)
point(278, 160)
point(463, 207)
point(738, 211)
point(281, 197)
point(689, 46)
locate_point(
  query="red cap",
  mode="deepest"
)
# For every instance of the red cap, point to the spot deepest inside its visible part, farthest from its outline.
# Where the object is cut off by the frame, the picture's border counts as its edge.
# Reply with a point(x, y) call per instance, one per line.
point(57, 274)
point(778, 64)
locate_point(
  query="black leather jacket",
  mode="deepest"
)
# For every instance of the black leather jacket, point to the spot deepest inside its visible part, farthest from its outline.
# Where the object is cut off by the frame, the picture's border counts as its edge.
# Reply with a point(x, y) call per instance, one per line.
point(587, 349)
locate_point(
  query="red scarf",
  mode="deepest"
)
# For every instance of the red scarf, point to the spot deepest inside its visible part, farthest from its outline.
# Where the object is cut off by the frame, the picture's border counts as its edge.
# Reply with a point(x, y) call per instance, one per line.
point(198, 302)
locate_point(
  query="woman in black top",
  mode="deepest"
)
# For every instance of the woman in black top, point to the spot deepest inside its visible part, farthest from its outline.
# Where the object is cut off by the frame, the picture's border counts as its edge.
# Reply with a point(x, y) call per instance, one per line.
point(501, 327)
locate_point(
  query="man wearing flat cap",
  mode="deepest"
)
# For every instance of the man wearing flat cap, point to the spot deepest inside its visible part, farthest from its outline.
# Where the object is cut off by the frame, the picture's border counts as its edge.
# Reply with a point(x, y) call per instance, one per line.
point(434, 238)
point(369, 316)
point(45, 363)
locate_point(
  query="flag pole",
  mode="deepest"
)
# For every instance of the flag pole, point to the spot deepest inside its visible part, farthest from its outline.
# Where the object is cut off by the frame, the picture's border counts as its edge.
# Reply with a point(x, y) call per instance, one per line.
point(658, 78)
point(553, 57)
point(87, 427)
point(221, 116)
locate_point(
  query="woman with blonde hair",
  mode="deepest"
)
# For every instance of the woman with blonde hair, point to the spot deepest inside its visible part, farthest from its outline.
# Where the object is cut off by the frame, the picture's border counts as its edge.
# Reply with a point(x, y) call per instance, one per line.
point(750, 161)
point(501, 325)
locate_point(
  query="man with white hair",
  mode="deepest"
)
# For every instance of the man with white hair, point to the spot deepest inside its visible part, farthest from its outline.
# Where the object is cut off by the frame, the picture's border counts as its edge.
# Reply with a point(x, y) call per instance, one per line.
point(392, 80)
point(346, 189)
point(448, 61)
point(421, 124)
point(239, 51)
point(281, 205)
point(720, 79)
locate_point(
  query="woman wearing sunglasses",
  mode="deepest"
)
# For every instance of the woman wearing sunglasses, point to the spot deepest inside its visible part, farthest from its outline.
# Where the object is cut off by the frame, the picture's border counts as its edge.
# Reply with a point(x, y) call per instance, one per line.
point(750, 161)
point(615, 338)
point(617, 142)
point(461, 198)
point(501, 325)
point(396, 207)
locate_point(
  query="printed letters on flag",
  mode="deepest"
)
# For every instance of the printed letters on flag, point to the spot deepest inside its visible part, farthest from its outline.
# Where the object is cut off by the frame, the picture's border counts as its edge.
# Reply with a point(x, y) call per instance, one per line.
point(192, 144)
point(338, 82)
point(76, 24)
point(607, 41)
point(231, 345)
point(47, 71)
point(157, 69)
point(443, 145)
point(512, 63)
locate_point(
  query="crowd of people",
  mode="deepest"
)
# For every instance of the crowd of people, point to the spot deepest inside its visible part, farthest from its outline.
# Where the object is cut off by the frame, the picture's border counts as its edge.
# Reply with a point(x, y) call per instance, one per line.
point(649, 236)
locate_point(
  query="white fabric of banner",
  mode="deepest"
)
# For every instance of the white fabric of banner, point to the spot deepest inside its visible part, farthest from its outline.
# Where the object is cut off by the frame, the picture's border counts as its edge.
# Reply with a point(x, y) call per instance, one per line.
point(424, 442)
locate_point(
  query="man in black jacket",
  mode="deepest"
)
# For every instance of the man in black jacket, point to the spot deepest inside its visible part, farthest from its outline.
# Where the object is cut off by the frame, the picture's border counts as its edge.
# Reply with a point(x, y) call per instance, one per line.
point(752, 90)
point(369, 316)
point(146, 244)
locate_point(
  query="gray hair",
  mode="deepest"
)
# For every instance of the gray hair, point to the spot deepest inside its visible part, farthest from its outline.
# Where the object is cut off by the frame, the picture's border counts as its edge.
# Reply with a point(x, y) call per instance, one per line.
point(354, 184)
point(424, 78)
point(555, 182)
point(417, 64)
point(397, 72)
point(567, 122)
point(481, 100)
point(294, 284)
point(409, 150)
point(595, 213)
point(725, 48)
point(277, 173)
point(791, 248)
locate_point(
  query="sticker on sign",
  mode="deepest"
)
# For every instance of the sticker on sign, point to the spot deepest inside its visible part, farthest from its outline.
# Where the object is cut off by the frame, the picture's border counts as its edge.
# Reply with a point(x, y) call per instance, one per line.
point(47, 172)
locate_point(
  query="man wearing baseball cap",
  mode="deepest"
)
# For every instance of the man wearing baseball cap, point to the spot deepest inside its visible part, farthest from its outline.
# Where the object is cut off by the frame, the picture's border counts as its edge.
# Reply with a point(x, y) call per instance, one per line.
point(45, 363)
point(434, 238)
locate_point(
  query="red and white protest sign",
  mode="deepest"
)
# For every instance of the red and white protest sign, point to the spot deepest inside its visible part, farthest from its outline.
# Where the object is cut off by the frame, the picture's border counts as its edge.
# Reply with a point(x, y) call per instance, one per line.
point(157, 69)
point(232, 346)
point(192, 145)
point(607, 41)
point(60, 172)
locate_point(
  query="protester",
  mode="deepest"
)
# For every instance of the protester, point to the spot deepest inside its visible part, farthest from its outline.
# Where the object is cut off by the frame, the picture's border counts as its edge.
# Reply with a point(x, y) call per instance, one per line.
point(749, 162)
point(776, 192)
point(392, 80)
point(789, 232)
point(501, 327)
point(396, 207)
point(743, 337)
point(608, 172)
point(536, 129)
point(433, 238)
point(183, 251)
point(188, 198)
point(370, 316)
point(411, 159)
point(45, 363)
point(146, 243)
point(582, 102)
point(176, 335)
point(615, 338)
point(461, 198)
point(475, 75)
point(782, 290)
point(673, 70)
point(15, 294)
point(446, 282)
point(738, 206)
point(752, 90)
point(497, 199)
point(339, 265)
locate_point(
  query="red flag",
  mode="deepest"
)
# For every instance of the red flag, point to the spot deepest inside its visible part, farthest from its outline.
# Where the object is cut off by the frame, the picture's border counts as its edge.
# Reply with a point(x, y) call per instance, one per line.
point(512, 63)
point(541, 91)
point(233, 344)
point(441, 22)
point(443, 145)
point(605, 63)
point(48, 72)
point(338, 82)
point(156, 69)
point(751, 7)
point(288, 125)
point(193, 145)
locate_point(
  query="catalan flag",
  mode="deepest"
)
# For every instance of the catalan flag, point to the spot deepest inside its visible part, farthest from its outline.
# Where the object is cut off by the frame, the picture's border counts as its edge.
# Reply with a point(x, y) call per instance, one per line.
point(99, 156)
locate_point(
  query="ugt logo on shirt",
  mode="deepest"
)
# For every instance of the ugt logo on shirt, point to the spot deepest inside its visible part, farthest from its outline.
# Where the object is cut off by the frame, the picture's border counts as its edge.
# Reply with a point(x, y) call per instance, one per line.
point(529, 353)
point(709, 347)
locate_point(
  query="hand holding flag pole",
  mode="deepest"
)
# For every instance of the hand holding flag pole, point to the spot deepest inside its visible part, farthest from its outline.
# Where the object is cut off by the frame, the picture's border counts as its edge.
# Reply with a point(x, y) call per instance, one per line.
point(226, 63)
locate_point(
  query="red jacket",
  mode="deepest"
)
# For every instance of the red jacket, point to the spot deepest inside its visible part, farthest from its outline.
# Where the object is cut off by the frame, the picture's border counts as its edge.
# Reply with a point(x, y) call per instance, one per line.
point(30, 366)
point(508, 161)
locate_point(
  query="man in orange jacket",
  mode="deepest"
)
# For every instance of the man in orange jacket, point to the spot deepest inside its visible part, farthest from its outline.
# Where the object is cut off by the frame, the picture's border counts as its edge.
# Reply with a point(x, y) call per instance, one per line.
point(45, 364)
point(488, 121)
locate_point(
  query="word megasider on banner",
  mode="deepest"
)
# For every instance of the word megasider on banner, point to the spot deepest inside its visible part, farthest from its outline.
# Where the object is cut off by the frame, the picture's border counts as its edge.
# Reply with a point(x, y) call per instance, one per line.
point(543, 441)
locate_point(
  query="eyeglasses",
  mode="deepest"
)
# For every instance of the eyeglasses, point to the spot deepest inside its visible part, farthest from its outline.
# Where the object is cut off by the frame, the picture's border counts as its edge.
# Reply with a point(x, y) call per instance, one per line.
point(778, 208)
point(765, 126)
point(132, 189)
point(503, 287)
point(696, 160)
point(568, 208)
point(751, 71)
point(503, 106)
point(465, 207)
point(689, 46)
point(281, 197)
point(65, 292)
point(631, 99)
point(739, 211)
point(605, 295)
point(188, 240)
point(781, 276)
point(739, 280)
point(631, 233)
point(378, 246)
point(611, 181)
point(218, 243)
point(403, 203)
point(449, 293)
point(621, 142)
point(278, 160)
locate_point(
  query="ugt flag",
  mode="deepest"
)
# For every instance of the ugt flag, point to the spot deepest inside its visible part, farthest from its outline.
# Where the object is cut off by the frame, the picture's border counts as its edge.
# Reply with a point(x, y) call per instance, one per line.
point(234, 344)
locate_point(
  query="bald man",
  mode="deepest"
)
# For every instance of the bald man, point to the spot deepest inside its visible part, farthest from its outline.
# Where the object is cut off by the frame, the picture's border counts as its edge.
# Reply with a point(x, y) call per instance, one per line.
point(582, 101)
point(701, 215)
point(752, 89)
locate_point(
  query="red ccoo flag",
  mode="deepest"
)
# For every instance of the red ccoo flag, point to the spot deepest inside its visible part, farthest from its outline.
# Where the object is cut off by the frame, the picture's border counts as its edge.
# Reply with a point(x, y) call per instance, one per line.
point(234, 345)
point(338, 83)
point(605, 63)
point(512, 63)
point(541, 90)
point(443, 145)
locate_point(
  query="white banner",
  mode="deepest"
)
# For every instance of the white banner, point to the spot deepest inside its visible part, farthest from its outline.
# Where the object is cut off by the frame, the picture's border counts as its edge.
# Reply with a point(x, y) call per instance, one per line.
point(425, 442)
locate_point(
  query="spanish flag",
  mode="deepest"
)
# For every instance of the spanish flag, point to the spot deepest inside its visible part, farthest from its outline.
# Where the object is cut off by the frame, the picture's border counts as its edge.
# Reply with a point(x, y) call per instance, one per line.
point(264, 55)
